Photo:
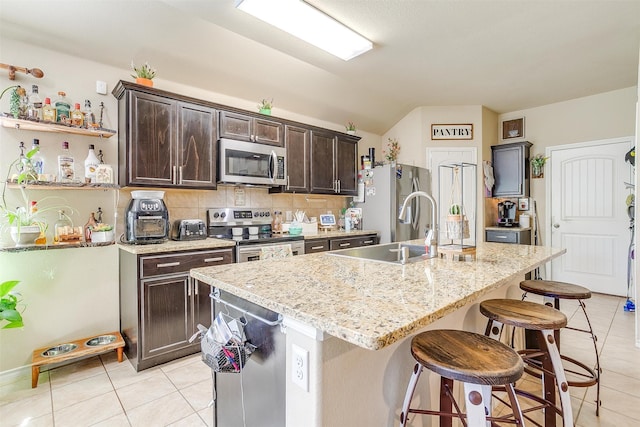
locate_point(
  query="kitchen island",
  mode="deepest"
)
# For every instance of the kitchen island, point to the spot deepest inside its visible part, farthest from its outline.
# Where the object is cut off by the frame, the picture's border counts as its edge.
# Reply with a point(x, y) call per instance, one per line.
point(356, 317)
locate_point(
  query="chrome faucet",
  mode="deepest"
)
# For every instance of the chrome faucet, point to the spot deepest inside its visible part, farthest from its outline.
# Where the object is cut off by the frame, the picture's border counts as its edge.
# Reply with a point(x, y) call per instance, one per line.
point(433, 244)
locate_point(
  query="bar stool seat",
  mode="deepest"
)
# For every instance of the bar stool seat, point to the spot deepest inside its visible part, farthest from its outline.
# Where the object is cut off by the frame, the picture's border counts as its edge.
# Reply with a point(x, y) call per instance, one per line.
point(552, 289)
point(473, 359)
point(544, 320)
point(554, 292)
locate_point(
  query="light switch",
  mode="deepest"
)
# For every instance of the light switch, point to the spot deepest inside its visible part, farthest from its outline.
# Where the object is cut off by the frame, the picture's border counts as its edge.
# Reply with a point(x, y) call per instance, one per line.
point(101, 87)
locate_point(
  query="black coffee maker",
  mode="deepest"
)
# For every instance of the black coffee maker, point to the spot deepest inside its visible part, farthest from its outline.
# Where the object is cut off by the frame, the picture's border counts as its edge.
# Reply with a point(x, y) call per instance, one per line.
point(507, 214)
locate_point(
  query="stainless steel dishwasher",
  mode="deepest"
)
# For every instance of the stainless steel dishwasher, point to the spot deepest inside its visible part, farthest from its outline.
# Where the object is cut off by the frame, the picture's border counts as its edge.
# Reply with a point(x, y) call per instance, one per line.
point(256, 395)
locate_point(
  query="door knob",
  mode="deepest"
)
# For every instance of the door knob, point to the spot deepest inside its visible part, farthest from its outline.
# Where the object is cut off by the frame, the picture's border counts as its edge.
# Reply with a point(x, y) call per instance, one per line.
point(556, 225)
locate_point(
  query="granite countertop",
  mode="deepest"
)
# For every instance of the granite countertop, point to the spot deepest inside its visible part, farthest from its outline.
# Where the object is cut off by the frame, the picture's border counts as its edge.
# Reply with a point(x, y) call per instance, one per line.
point(210, 243)
point(372, 304)
point(322, 234)
point(173, 246)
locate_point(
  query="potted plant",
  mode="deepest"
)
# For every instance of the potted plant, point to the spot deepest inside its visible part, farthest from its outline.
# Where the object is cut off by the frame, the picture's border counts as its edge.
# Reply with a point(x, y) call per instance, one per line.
point(9, 305)
point(265, 106)
point(351, 128)
point(25, 221)
point(144, 74)
point(102, 233)
point(14, 101)
point(537, 165)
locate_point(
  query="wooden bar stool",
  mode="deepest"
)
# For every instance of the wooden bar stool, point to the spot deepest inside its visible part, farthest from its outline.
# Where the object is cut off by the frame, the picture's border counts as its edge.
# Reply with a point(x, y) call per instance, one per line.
point(545, 321)
point(476, 360)
point(553, 292)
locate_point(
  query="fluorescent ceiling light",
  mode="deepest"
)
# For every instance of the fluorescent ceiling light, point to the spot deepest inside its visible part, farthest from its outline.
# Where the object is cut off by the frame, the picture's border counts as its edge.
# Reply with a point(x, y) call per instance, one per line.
point(309, 24)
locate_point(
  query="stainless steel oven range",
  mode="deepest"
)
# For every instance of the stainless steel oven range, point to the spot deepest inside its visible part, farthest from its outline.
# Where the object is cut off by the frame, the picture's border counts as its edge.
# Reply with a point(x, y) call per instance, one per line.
point(250, 228)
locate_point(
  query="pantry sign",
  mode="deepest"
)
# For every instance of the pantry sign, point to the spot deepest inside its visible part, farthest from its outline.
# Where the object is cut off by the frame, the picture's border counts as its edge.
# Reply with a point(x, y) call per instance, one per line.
point(454, 131)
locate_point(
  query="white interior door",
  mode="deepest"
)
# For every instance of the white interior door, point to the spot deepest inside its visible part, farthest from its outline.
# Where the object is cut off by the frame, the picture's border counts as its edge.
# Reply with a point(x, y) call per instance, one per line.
point(588, 214)
point(437, 156)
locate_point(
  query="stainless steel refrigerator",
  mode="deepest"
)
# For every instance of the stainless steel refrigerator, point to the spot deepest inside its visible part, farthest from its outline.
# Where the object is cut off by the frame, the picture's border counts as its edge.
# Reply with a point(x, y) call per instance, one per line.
point(385, 192)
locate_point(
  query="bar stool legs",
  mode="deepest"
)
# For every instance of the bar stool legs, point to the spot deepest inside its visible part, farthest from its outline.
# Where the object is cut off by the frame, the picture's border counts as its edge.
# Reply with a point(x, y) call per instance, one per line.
point(545, 321)
point(476, 361)
point(552, 293)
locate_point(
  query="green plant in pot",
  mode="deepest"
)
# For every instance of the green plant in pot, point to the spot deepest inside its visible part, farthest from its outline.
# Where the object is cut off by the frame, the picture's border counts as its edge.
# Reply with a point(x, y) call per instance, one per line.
point(26, 222)
point(144, 75)
point(351, 128)
point(9, 302)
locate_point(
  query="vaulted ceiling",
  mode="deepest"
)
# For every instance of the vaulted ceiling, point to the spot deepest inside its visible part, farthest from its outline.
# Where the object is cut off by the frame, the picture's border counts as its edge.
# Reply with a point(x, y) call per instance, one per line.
point(506, 55)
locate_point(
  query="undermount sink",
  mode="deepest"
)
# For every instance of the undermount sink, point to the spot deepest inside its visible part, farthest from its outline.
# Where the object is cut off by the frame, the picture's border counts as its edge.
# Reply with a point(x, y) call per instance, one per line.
point(391, 253)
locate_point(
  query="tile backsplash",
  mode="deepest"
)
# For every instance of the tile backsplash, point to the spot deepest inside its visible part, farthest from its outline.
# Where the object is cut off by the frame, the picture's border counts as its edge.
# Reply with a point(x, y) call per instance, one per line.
point(192, 204)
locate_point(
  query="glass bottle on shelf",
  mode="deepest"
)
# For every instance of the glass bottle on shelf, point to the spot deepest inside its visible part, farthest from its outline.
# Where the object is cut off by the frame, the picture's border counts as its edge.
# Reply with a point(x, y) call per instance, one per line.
point(48, 112)
point(89, 117)
point(66, 170)
point(23, 105)
point(62, 228)
point(77, 117)
point(37, 161)
point(63, 108)
point(91, 165)
point(34, 111)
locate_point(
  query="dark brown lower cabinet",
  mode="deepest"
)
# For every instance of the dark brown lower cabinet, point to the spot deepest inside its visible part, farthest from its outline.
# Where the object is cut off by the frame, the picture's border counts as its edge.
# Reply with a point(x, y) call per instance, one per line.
point(334, 243)
point(161, 305)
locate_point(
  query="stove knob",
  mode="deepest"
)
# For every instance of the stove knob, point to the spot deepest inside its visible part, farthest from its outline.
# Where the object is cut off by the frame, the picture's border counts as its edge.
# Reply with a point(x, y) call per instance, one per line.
point(223, 214)
point(267, 213)
point(216, 215)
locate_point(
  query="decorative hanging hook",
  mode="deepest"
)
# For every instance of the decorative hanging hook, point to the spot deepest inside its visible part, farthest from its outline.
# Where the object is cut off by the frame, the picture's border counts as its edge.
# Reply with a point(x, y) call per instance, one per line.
point(35, 72)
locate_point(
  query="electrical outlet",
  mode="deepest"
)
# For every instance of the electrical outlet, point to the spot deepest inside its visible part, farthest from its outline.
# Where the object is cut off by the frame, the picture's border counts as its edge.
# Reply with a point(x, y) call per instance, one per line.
point(300, 367)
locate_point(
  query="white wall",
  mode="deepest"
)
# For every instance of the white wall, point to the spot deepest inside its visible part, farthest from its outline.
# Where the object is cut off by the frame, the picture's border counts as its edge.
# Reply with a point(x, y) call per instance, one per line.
point(414, 135)
point(603, 116)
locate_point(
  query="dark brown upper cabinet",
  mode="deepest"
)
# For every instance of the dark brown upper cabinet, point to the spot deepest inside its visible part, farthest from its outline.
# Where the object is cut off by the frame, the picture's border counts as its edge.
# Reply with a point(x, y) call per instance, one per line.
point(163, 140)
point(333, 163)
point(511, 169)
point(296, 142)
point(248, 128)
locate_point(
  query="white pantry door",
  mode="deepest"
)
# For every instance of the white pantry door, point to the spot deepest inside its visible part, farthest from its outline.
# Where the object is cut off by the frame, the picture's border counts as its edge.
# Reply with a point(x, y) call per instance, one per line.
point(589, 214)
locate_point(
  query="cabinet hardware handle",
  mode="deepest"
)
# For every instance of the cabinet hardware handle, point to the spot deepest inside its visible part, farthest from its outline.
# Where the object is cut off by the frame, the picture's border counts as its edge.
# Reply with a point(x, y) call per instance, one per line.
point(180, 175)
point(501, 237)
point(174, 176)
point(218, 258)
point(339, 186)
point(168, 264)
point(342, 245)
point(287, 182)
point(195, 287)
point(366, 242)
point(189, 281)
point(317, 247)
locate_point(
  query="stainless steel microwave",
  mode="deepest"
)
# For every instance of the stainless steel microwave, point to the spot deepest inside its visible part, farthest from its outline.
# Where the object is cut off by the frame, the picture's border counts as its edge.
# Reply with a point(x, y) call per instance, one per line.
point(243, 162)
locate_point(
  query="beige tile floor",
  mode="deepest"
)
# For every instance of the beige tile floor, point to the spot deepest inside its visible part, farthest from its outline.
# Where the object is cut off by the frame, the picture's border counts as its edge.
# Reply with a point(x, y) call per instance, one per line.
point(102, 392)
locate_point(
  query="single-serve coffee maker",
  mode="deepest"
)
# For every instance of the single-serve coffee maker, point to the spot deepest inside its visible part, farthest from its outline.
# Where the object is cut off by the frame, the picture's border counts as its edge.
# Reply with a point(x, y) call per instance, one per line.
point(507, 214)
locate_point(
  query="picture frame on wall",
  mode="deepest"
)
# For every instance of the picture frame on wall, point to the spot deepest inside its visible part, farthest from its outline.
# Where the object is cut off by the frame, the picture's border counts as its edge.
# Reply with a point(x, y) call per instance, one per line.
point(523, 204)
point(513, 128)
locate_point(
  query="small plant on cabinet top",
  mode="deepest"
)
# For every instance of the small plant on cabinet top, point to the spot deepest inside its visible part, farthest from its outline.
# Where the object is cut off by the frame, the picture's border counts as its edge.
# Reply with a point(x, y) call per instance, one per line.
point(265, 105)
point(351, 127)
point(144, 72)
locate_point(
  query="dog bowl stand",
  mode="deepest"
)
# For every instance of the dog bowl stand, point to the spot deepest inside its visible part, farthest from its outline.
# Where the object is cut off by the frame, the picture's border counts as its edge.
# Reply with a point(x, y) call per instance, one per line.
point(81, 349)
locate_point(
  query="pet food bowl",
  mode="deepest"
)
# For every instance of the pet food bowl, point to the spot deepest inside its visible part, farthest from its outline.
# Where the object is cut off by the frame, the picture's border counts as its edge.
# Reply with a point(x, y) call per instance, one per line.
point(101, 340)
point(59, 349)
